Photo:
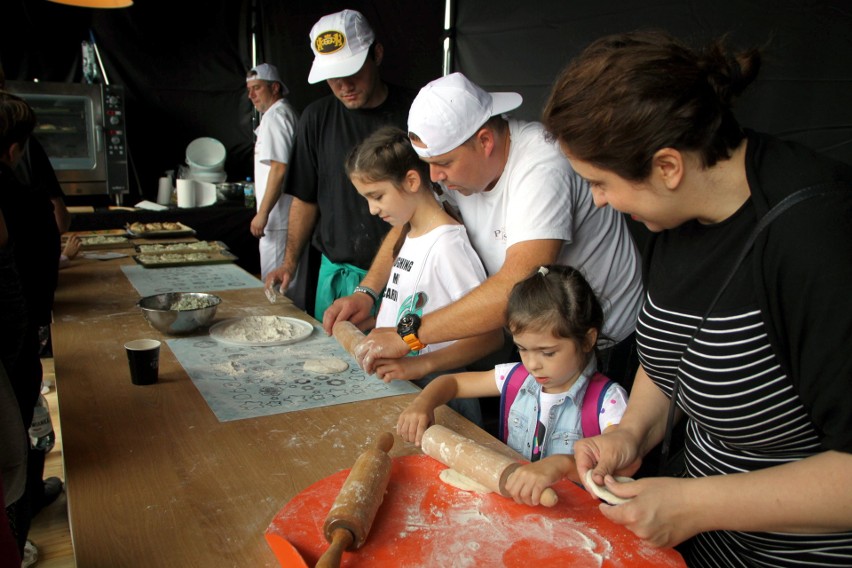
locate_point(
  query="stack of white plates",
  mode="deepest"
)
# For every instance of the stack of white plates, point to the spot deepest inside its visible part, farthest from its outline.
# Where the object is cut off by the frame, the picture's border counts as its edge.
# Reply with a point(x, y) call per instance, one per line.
point(206, 160)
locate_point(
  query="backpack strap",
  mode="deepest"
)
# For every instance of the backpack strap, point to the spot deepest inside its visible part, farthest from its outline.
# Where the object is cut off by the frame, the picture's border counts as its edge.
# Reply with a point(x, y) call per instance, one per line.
point(593, 401)
point(511, 386)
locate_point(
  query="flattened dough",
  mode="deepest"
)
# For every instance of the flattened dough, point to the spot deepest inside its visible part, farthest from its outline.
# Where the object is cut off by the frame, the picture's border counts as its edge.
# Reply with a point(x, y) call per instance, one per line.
point(605, 494)
point(461, 481)
point(327, 366)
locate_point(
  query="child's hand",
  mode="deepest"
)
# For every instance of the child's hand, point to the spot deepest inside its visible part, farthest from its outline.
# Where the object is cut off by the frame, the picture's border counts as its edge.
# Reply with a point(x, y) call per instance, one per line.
point(402, 369)
point(527, 483)
point(414, 420)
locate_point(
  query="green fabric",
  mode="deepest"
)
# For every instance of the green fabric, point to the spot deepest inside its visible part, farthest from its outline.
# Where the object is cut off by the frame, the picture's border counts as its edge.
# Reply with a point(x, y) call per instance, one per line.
point(335, 281)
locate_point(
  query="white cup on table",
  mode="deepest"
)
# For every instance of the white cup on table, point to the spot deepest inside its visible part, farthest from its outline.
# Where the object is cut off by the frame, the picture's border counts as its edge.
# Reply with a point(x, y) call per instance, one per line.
point(185, 193)
point(164, 191)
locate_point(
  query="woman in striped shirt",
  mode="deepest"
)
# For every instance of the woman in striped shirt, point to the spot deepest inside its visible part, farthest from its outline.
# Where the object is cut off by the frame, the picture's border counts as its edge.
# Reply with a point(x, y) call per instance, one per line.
point(764, 384)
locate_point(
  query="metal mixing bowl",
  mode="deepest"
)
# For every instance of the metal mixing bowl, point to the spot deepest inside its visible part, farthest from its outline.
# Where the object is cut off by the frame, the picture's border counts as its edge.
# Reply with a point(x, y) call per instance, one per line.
point(158, 311)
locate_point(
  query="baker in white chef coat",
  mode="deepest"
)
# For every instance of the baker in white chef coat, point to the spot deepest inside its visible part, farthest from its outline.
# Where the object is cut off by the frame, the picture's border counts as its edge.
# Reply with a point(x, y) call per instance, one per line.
point(274, 143)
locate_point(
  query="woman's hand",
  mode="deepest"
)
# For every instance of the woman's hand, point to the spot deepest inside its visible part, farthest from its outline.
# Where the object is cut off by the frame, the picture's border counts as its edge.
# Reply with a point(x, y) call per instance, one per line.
point(615, 452)
point(72, 246)
point(659, 511)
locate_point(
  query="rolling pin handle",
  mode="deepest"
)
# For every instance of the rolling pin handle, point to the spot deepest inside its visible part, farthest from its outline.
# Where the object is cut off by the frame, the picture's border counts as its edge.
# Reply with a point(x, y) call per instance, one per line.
point(341, 540)
point(385, 442)
point(549, 498)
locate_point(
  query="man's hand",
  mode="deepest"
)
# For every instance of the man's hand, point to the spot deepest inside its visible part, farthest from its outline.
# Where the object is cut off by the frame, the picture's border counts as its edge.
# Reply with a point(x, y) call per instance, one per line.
point(258, 224)
point(280, 277)
point(354, 307)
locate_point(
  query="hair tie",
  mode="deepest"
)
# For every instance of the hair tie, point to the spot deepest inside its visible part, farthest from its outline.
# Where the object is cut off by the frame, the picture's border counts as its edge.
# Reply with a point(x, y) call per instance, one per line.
point(543, 270)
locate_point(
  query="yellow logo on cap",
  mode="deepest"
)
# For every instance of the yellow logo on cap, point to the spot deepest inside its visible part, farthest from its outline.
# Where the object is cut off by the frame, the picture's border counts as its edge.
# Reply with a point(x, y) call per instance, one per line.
point(329, 42)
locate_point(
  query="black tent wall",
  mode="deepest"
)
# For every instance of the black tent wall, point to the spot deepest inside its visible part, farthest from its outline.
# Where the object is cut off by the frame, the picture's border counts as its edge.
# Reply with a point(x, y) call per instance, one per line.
point(804, 90)
point(183, 62)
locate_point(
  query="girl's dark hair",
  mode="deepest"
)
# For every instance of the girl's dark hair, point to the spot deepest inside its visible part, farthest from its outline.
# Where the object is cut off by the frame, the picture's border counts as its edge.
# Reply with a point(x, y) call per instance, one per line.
point(387, 155)
point(627, 96)
point(557, 298)
point(17, 121)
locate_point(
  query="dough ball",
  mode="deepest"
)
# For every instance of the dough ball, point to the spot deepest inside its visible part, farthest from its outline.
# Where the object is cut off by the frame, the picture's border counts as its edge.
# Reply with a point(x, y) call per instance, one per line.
point(605, 494)
point(461, 481)
point(327, 366)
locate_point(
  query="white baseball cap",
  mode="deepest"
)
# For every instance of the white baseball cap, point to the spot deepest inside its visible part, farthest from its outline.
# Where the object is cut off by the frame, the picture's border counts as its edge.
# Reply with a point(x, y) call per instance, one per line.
point(449, 110)
point(267, 72)
point(340, 43)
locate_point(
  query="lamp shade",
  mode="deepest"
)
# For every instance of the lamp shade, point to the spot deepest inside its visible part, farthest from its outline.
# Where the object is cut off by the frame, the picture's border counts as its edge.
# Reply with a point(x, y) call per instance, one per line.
point(96, 3)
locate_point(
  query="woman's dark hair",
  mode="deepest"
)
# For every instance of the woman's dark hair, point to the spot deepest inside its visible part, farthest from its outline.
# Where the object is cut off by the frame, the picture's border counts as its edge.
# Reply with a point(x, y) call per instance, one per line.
point(627, 96)
point(557, 298)
point(17, 121)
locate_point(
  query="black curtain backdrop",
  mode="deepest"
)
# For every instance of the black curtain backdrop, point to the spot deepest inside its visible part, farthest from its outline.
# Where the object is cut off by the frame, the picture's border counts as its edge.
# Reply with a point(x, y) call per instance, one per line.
point(183, 64)
point(804, 90)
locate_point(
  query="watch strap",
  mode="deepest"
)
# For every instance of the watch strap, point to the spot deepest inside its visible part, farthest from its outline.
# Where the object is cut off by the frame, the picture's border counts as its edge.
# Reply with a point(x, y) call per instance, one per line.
point(413, 342)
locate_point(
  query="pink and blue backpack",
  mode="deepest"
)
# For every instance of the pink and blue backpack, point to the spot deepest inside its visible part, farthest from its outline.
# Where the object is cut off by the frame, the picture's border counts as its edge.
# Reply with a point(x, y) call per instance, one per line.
point(593, 401)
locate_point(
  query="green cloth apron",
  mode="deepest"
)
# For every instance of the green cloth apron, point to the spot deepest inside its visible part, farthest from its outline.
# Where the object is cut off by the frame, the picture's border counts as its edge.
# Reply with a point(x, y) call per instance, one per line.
point(335, 281)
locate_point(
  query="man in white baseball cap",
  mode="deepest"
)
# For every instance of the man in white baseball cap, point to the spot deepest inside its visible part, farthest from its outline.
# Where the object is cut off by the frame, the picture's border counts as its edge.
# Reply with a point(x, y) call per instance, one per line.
point(523, 207)
point(326, 209)
point(273, 145)
point(341, 43)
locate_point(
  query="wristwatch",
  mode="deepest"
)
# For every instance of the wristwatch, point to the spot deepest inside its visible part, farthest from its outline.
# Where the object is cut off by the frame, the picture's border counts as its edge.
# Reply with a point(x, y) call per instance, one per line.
point(407, 330)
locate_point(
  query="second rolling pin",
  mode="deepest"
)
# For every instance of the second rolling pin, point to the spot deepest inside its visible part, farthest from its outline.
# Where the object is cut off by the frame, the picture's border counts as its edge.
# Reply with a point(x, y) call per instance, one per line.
point(351, 515)
point(483, 465)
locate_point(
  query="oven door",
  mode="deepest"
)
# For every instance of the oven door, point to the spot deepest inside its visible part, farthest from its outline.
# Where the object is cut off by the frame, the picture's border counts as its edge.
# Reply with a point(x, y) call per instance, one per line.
point(69, 125)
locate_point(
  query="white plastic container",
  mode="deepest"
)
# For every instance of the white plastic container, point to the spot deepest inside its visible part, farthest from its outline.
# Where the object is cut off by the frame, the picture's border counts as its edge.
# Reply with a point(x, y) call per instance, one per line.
point(206, 154)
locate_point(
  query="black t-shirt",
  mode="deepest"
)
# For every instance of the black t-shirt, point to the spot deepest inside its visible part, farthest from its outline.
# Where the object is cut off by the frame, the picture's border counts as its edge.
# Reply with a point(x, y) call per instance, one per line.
point(327, 132)
point(766, 380)
point(34, 238)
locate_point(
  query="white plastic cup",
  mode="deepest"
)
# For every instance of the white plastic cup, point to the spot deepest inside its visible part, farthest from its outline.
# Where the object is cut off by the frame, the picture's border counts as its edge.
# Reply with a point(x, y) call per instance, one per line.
point(185, 193)
point(164, 191)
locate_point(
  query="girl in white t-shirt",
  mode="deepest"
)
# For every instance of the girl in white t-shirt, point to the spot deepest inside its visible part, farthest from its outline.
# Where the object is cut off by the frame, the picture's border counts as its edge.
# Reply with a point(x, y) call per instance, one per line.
point(555, 398)
point(434, 262)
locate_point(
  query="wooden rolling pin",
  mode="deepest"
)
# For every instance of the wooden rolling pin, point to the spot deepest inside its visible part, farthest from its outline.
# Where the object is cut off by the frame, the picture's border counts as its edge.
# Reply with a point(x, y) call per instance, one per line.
point(347, 335)
point(351, 515)
point(485, 466)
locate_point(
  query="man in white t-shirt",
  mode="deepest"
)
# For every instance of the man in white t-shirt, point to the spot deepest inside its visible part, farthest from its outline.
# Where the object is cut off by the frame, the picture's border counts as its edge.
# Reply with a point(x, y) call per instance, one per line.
point(272, 148)
point(523, 206)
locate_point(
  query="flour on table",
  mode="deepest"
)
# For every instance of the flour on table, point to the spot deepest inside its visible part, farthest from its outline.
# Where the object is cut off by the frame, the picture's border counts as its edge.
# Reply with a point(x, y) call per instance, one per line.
point(327, 365)
point(461, 481)
point(259, 328)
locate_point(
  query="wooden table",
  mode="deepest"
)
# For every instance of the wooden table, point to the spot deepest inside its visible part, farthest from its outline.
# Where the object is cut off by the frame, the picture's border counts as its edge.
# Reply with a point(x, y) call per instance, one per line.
point(152, 477)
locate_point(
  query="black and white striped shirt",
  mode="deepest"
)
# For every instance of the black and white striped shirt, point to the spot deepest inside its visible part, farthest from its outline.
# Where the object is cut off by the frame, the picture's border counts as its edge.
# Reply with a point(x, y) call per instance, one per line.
point(744, 413)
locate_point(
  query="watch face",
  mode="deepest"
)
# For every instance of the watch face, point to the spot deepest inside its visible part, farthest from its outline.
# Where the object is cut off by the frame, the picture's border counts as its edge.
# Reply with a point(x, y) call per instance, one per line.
point(408, 324)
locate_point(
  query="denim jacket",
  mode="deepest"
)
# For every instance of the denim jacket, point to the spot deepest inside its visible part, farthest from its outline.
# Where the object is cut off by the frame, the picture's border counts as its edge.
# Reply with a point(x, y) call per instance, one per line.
point(563, 426)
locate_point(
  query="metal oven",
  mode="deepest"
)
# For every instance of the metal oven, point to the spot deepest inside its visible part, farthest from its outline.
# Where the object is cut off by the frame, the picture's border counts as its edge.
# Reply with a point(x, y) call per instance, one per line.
point(82, 129)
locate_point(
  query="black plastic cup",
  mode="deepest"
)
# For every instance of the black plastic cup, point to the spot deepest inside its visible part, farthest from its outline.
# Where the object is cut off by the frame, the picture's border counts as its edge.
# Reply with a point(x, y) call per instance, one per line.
point(144, 358)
